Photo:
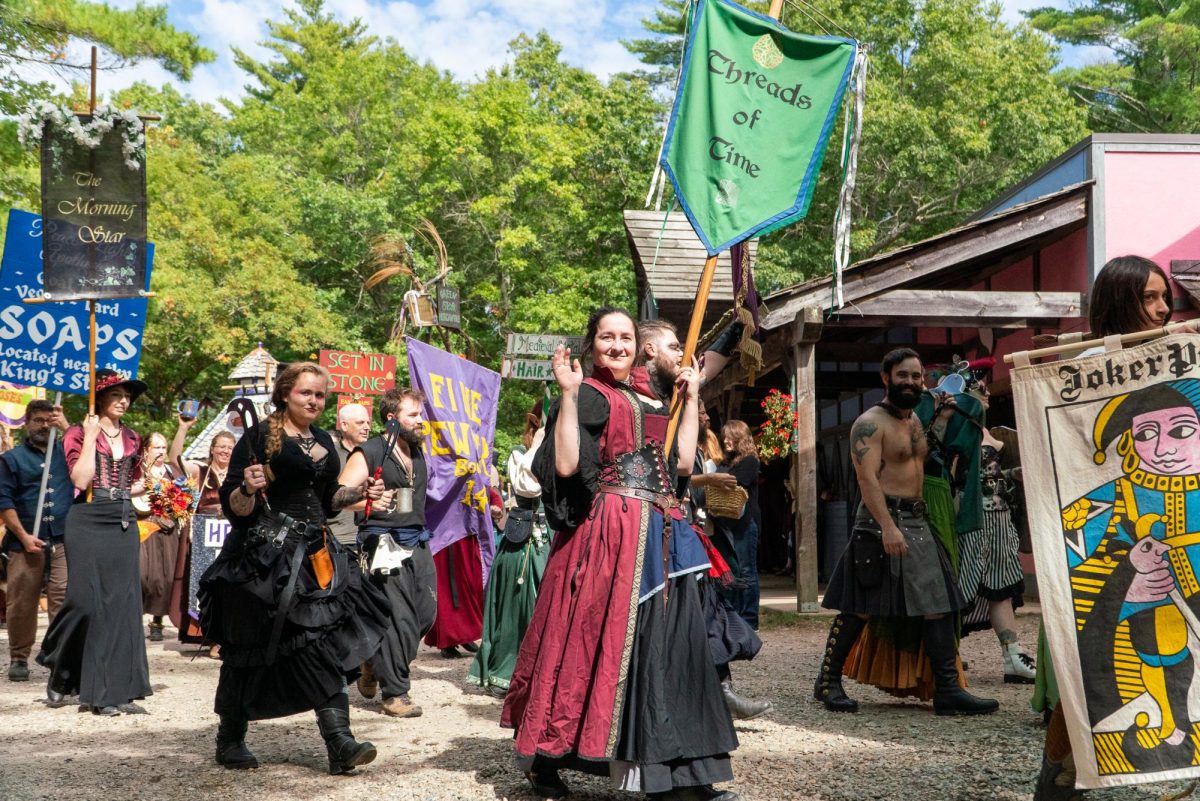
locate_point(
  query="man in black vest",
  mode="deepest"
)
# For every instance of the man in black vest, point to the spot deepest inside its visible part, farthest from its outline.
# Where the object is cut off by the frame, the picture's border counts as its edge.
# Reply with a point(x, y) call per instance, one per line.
point(397, 523)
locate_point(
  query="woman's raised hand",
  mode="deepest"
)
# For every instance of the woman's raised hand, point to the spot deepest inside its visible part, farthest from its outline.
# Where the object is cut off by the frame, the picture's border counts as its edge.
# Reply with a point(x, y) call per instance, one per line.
point(567, 372)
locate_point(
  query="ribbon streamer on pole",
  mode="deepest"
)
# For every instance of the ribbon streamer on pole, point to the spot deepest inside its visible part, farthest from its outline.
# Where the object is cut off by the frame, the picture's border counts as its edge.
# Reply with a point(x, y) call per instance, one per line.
point(850, 144)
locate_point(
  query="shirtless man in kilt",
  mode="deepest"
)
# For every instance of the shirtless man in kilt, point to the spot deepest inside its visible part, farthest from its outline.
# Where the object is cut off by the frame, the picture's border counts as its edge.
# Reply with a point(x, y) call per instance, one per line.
point(894, 566)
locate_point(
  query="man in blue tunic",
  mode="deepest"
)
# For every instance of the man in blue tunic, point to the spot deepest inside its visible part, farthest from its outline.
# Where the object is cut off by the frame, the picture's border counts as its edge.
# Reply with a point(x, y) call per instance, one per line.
point(20, 482)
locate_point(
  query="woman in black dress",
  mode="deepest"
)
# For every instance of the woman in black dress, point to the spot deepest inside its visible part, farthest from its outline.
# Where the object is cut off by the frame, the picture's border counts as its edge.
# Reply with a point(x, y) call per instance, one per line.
point(288, 606)
point(95, 647)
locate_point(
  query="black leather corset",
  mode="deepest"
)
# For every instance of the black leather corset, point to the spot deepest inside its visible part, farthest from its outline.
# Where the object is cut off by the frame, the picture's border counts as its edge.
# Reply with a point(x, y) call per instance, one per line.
point(644, 469)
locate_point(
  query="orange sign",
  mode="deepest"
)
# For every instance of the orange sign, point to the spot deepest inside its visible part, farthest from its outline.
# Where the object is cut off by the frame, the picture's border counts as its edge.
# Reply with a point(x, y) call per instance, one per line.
point(360, 373)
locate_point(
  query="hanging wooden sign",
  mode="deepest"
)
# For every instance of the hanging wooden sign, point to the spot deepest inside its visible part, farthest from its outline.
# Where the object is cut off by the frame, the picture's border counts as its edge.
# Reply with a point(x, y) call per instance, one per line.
point(94, 207)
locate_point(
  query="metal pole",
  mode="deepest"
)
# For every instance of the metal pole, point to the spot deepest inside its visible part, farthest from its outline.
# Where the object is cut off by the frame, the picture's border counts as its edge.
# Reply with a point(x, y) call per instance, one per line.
point(41, 502)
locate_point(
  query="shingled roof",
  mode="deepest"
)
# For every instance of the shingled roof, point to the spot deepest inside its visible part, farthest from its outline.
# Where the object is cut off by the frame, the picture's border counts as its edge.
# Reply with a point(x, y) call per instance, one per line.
point(254, 366)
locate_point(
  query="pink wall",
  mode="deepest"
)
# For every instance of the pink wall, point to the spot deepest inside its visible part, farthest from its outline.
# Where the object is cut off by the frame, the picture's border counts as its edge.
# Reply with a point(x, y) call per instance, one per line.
point(1151, 207)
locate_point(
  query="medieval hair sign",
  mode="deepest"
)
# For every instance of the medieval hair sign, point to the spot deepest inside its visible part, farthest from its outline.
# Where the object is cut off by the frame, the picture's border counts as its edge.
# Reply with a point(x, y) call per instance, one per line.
point(1114, 448)
point(94, 207)
point(461, 399)
point(754, 111)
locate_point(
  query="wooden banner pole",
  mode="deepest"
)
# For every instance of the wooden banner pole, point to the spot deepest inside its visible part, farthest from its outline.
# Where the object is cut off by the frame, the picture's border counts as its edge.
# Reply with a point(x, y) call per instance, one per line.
point(1185, 327)
point(693, 337)
point(92, 254)
point(92, 91)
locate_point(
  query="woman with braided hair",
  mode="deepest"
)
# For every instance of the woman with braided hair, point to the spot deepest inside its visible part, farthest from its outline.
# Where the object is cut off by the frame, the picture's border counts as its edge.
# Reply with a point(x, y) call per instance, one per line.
point(290, 609)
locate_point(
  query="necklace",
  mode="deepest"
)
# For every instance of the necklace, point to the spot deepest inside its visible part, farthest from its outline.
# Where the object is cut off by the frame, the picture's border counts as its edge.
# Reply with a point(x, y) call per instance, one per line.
point(306, 443)
point(111, 436)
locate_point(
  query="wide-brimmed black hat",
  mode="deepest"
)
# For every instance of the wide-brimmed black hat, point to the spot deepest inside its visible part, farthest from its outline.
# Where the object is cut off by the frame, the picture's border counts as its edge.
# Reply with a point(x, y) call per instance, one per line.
point(108, 379)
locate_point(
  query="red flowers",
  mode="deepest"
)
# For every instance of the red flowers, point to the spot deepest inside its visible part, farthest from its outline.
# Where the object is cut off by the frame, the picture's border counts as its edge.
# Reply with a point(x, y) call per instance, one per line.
point(172, 500)
point(777, 434)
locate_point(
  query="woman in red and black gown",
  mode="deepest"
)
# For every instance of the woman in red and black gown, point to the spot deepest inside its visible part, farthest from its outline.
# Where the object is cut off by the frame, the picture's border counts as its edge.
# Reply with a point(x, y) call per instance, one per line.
point(614, 675)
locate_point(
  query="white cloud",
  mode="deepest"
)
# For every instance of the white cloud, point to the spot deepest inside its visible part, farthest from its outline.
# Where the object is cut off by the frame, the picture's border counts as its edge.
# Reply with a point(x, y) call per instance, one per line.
point(466, 37)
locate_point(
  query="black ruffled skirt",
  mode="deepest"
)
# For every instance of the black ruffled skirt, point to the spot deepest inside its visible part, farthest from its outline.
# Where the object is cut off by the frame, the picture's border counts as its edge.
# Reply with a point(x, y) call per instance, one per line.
point(327, 634)
point(96, 647)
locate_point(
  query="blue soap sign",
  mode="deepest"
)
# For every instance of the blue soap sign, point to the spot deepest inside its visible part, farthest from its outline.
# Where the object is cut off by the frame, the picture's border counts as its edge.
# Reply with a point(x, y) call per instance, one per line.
point(46, 344)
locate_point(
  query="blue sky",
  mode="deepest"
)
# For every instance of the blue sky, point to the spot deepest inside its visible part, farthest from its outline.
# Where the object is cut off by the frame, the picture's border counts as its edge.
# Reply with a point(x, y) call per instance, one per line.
point(465, 37)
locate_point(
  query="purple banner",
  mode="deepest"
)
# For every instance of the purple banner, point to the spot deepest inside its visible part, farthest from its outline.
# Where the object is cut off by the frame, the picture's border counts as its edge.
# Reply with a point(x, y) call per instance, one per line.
point(460, 409)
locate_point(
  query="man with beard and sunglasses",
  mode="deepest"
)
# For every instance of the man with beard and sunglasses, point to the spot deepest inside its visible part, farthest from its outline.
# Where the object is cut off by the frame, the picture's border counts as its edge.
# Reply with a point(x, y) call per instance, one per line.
point(20, 484)
point(729, 637)
point(894, 566)
point(412, 587)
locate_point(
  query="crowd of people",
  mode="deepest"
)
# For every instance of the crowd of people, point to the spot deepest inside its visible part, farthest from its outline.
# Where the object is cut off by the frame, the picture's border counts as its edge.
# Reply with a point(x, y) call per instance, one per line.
point(624, 586)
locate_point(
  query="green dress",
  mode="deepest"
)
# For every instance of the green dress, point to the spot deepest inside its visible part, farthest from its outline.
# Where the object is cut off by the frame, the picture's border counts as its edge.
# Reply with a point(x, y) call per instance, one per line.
point(508, 607)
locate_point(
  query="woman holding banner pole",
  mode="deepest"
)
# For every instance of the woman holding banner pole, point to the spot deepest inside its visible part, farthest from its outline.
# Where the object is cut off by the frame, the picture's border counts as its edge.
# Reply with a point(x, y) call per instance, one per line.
point(95, 646)
point(1130, 294)
point(614, 675)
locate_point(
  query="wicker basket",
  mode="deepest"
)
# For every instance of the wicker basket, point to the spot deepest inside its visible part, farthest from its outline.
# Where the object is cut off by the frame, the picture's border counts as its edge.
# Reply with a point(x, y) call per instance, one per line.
point(727, 502)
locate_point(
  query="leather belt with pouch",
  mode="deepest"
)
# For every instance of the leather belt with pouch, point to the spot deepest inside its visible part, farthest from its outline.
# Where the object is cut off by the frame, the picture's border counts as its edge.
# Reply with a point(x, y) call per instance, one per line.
point(519, 527)
point(664, 501)
point(275, 528)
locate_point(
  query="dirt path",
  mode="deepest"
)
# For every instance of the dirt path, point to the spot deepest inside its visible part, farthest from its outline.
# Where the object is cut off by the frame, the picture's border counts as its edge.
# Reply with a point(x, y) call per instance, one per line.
point(890, 750)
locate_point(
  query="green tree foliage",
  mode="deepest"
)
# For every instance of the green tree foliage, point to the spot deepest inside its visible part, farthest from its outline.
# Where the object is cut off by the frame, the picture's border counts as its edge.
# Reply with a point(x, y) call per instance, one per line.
point(37, 31)
point(263, 214)
point(959, 106)
point(1151, 84)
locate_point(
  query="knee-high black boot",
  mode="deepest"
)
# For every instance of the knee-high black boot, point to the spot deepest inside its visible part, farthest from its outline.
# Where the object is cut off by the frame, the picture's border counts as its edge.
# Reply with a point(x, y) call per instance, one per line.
point(843, 633)
point(231, 745)
point(942, 650)
point(345, 753)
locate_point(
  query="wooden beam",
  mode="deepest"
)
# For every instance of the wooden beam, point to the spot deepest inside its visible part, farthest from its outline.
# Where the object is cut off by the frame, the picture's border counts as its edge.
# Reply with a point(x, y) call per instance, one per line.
point(977, 242)
point(873, 352)
point(938, 304)
point(876, 322)
point(804, 484)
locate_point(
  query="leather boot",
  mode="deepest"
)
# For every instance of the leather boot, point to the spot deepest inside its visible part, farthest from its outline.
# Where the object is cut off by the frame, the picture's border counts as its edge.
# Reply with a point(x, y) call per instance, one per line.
point(231, 745)
point(1055, 782)
point(843, 633)
point(345, 753)
point(743, 708)
point(942, 650)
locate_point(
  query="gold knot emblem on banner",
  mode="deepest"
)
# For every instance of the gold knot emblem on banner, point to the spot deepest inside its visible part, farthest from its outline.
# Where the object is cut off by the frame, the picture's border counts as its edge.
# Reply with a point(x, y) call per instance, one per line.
point(766, 53)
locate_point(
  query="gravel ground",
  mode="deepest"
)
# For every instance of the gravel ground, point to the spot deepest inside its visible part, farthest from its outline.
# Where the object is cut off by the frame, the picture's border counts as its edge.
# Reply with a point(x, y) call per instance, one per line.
point(890, 750)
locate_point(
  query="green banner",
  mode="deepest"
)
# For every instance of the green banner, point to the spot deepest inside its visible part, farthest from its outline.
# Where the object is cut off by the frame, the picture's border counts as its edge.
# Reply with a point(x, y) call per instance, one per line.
point(754, 112)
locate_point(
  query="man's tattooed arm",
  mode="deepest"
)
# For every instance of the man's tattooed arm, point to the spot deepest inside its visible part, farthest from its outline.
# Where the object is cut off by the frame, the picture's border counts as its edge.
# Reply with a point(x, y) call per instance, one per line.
point(862, 431)
point(347, 496)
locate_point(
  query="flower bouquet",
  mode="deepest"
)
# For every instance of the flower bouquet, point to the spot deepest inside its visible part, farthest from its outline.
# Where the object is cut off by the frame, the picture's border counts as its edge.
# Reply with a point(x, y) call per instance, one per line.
point(777, 434)
point(173, 500)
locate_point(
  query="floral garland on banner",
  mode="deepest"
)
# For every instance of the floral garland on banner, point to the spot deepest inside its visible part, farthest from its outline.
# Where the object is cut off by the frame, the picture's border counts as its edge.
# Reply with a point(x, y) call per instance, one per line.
point(32, 126)
point(777, 434)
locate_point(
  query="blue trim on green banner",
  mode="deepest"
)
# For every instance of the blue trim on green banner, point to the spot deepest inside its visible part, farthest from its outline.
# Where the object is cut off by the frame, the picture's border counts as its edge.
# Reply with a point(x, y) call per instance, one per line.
point(804, 194)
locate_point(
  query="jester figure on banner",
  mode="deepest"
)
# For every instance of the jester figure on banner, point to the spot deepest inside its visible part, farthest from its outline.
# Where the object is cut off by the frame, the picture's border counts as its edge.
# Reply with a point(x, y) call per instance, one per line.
point(1117, 547)
point(461, 399)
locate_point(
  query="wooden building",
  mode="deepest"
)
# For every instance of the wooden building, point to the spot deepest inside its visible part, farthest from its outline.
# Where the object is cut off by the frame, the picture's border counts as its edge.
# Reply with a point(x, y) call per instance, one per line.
point(1020, 267)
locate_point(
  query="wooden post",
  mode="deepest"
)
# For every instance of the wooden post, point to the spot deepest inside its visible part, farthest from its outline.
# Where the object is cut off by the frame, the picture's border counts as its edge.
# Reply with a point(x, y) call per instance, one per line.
point(806, 330)
point(776, 9)
point(92, 91)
